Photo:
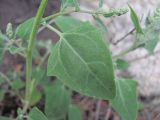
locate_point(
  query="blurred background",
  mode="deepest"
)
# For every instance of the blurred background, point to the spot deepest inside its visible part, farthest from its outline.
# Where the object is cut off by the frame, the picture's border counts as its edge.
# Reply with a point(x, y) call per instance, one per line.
point(144, 68)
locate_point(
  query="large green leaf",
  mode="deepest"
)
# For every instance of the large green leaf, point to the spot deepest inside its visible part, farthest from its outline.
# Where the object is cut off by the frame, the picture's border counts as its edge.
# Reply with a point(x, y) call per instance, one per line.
point(57, 101)
point(135, 20)
point(36, 114)
point(82, 60)
point(66, 23)
point(23, 30)
point(74, 113)
point(125, 102)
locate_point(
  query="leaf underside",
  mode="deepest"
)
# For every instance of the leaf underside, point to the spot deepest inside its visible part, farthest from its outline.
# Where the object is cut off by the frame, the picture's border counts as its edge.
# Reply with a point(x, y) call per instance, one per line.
point(125, 102)
point(83, 62)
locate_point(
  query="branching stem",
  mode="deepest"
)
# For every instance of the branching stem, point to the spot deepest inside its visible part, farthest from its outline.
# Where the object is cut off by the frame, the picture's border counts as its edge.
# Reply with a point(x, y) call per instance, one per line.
point(31, 45)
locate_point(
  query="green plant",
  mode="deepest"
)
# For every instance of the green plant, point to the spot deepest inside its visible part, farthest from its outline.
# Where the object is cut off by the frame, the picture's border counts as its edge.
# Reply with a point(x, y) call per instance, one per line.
point(81, 61)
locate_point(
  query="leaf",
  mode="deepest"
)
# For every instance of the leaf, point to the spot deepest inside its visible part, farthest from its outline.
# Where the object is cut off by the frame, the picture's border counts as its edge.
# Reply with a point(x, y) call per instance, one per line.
point(18, 84)
point(101, 2)
point(35, 93)
point(150, 38)
point(57, 101)
point(66, 23)
point(82, 61)
point(125, 102)
point(114, 12)
point(2, 93)
point(122, 64)
point(74, 113)
point(5, 118)
point(70, 3)
point(100, 24)
point(36, 114)
point(23, 30)
point(135, 20)
point(2, 46)
point(1, 54)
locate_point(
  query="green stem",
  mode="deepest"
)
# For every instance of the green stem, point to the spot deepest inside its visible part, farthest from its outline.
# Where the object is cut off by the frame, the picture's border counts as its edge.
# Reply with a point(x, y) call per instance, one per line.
point(70, 11)
point(53, 29)
point(31, 45)
point(124, 52)
point(6, 78)
point(57, 14)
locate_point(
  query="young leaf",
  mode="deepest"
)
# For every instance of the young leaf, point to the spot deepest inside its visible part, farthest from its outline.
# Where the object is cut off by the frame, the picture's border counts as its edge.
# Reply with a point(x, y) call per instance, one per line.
point(100, 23)
point(150, 38)
point(70, 3)
point(36, 114)
point(18, 84)
point(23, 30)
point(101, 2)
point(135, 20)
point(74, 113)
point(66, 23)
point(83, 61)
point(2, 46)
point(125, 102)
point(57, 101)
point(122, 64)
point(35, 93)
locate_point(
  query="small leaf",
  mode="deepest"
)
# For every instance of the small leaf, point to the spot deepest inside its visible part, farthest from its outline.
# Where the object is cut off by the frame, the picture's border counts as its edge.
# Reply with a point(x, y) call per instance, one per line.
point(150, 38)
point(70, 3)
point(66, 23)
point(82, 61)
point(35, 93)
point(2, 46)
point(115, 12)
point(5, 118)
point(101, 25)
point(36, 114)
point(9, 30)
point(101, 2)
point(23, 30)
point(2, 93)
point(57, 101)
point(135, 20)
point(18, 84)
point(74, 113)
point(122, 64)
point(126, 100)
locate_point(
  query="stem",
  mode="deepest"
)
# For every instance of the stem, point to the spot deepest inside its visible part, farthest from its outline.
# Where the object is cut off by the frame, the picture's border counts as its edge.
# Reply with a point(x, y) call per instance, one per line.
point(6, 78)
point(32, 39)
point(57, 14)
point(43, 60)
point(53, 29)
point(71, 11)
point(124, 52)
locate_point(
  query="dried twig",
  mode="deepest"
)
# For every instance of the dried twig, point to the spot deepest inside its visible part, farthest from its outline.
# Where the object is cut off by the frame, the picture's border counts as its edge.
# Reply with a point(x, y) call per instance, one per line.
point(126, 35)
